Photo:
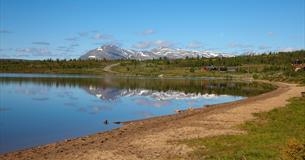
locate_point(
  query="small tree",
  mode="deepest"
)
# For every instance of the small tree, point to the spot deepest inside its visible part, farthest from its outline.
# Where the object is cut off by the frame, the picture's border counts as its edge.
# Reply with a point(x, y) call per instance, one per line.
point(192, 69)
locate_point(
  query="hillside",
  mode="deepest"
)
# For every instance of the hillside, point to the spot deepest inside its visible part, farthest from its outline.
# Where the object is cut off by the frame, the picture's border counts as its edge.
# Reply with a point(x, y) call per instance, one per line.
point(112, 52)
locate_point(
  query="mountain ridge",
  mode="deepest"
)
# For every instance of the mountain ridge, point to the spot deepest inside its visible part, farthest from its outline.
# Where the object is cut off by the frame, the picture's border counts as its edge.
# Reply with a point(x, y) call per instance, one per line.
point(113, 52)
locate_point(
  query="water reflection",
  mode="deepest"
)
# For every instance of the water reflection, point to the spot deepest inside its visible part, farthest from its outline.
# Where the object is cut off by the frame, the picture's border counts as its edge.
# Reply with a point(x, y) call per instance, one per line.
point(113, 87)
point(40, 109)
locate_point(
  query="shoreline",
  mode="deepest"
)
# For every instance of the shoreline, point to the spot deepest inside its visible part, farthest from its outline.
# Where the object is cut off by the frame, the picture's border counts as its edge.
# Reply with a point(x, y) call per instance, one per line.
point(152, 138)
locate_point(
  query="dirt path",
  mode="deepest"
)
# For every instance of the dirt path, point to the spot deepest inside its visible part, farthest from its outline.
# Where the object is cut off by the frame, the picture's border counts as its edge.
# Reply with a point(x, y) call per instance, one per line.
point(152, 138)
point(108, 68)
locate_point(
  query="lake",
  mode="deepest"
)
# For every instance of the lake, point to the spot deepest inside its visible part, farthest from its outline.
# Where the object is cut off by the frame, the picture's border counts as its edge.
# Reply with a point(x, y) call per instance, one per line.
point(38, 109)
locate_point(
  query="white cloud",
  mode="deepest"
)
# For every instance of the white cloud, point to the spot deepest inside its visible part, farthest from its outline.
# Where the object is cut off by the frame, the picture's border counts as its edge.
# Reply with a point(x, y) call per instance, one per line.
point(270, 34)
point(143, 45)
point(194, 45)
point(99, 36)
point(83, 34)
point(5, 56)
point(61, 47)
point(263, 47)
point(65, 49)
point(147, 32)
point(156, 43)
point(163, 43)
point(5, 49)
point(41, 43)
point(5, 31)
point(111, 42)
point(74, 45)
point(288, 49)
point(71, 39)
point(34, 51)
point(114, 42)
point(239, 45)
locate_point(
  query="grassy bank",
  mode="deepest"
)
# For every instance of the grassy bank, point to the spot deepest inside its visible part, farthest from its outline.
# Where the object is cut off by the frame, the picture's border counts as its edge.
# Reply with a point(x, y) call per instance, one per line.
point(270, 66)
point(72, 66)
point(144, 69)
point(278, 134)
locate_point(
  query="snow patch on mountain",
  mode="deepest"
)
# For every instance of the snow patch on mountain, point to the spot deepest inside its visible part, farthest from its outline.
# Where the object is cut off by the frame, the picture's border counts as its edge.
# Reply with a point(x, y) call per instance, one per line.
point(114, 52)
point(114, 93)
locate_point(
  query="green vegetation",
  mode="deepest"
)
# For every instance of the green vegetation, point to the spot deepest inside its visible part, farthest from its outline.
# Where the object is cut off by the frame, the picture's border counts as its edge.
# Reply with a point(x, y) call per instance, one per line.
point(278, 134)
point(270, 66)
point(72, 66)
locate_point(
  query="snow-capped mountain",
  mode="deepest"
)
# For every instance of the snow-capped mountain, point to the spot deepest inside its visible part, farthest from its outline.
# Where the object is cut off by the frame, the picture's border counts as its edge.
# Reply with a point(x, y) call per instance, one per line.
point(115, 52)
point(115, 93)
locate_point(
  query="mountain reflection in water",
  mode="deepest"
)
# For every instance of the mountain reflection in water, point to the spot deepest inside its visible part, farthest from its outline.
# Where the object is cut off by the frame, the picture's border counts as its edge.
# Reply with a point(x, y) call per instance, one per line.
point(43, 109)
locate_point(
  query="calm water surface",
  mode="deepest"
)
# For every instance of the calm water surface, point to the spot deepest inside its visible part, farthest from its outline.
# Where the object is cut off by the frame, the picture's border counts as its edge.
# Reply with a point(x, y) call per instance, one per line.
point(40, 109)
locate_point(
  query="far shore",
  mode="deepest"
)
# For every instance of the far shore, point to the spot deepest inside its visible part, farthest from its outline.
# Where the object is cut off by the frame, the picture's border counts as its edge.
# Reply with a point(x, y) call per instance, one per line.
point(155, 138)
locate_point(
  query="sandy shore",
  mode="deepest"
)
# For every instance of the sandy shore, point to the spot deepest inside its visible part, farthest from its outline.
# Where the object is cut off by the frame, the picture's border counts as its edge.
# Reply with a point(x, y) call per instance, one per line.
point(153, 138)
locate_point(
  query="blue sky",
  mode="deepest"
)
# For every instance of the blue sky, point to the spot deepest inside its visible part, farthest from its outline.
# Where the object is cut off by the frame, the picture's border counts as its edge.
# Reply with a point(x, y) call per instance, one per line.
point(38, 29)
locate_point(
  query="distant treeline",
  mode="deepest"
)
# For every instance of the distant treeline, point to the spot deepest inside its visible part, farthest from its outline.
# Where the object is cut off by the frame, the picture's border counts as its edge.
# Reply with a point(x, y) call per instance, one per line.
point(271, 58)
point(271, 66)
point(52, 66)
